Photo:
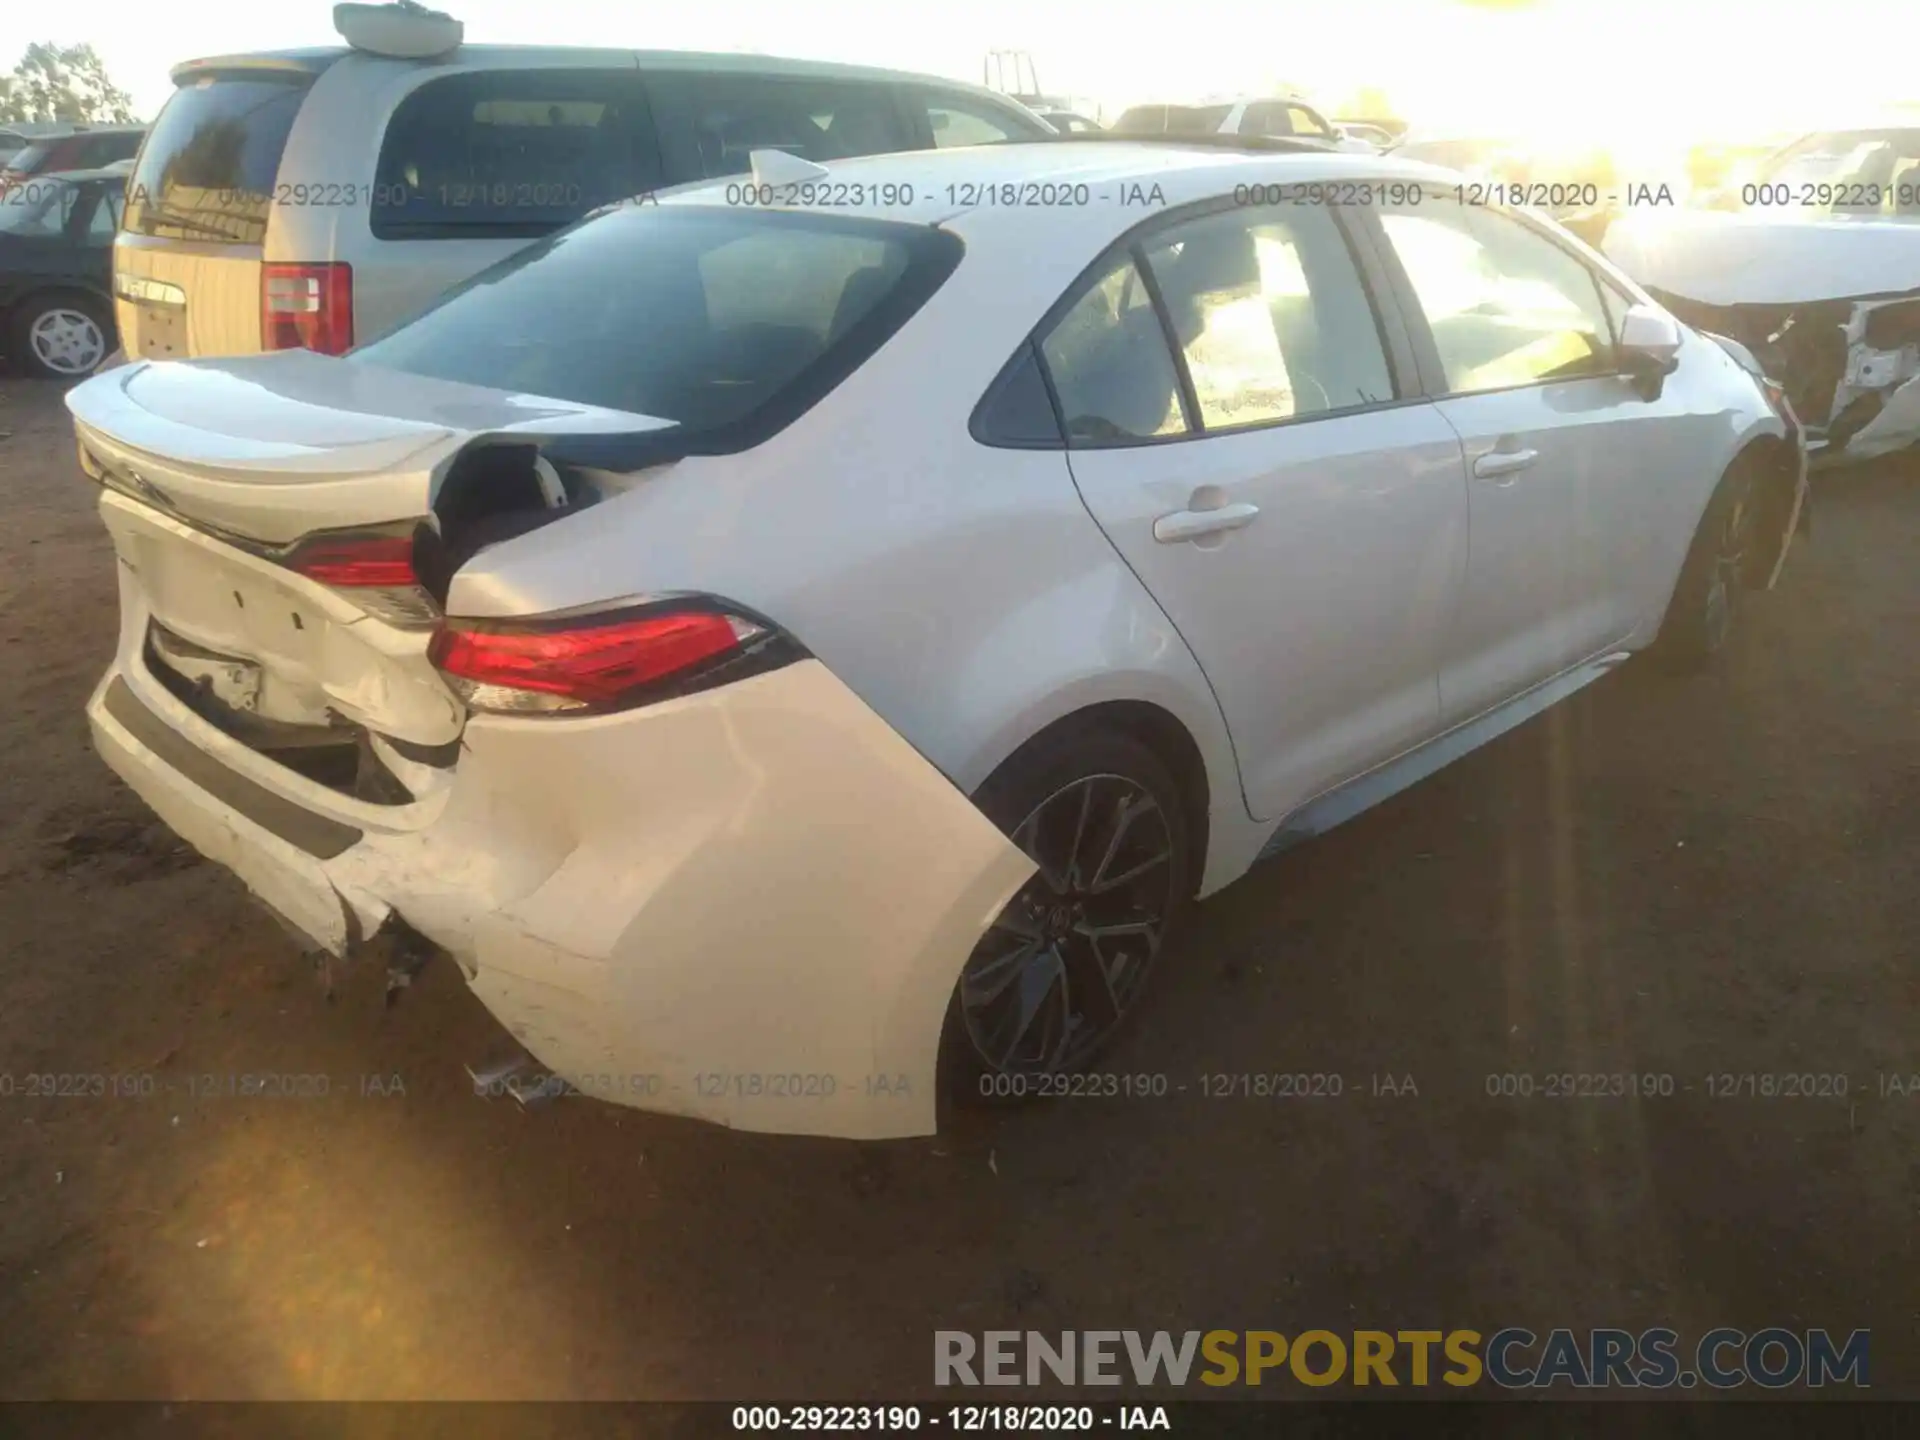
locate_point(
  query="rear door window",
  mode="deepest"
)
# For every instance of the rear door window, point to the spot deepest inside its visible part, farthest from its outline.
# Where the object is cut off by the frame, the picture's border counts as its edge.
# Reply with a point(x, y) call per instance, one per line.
point(711, 123)
point(512, 153)
point(40, 208)
point(208, 167)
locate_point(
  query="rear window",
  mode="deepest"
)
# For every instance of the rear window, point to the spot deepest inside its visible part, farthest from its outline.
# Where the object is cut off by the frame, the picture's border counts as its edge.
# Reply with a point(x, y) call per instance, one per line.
point(208, 167)
point(730, 322)
point(512, 153)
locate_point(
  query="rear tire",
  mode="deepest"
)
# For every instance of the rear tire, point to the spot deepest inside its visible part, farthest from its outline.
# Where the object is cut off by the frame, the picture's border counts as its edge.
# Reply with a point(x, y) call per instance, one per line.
point(1706, 601)
point(61, 335)
point(1062, 971)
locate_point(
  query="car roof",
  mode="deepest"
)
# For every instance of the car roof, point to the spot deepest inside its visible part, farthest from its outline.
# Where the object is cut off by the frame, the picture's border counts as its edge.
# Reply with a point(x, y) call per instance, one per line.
point(81, 132)
point(82, 177)
point(1186, 168)
point(316, 59)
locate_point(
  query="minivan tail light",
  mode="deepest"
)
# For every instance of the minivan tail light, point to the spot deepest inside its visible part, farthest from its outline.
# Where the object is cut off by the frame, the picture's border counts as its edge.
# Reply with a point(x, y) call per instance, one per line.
point(603, 661)
point(307, 307)
point(375, 570)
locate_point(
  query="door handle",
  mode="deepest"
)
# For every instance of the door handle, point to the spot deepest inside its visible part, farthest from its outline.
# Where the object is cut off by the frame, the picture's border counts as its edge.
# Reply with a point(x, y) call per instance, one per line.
point(1192, 524)
point(1503, 462)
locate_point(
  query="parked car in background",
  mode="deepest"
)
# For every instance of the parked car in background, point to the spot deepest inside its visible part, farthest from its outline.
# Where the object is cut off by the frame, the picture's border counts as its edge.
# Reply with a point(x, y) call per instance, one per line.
point(56, 270)
point(837, 648)
point(1286, 117)
point(1816, 269)
point(16, 135)
point(316, 198)
point(85, 148)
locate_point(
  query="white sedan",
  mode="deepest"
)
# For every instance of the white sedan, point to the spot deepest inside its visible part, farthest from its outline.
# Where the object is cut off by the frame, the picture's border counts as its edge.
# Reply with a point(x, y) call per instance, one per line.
point(794, 641)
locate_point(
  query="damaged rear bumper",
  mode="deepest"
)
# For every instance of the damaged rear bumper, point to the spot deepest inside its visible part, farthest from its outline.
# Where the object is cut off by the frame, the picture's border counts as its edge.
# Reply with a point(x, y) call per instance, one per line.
point(747, 906)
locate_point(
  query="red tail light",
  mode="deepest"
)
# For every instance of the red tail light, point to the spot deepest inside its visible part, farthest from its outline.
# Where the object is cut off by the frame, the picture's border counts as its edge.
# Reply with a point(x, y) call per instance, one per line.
point(375, 569)
point(592, 660)
point(307, 307)
point(353, 561)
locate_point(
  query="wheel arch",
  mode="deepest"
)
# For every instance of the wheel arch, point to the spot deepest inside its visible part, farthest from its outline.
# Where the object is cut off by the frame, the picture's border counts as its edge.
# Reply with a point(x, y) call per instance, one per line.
point(1774, 463)
point(1160, 731)
point(1764, 445)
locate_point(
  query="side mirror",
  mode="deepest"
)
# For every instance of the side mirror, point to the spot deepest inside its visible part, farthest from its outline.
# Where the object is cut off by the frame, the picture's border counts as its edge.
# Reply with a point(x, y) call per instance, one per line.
point(1650, 347)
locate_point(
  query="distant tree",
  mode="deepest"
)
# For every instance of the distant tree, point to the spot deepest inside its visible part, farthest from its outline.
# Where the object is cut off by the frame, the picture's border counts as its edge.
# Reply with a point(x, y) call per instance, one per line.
point(54, 82)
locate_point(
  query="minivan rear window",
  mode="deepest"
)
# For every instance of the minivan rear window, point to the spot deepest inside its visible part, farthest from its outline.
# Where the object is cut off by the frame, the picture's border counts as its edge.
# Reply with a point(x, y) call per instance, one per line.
point(731, 322)
point(512, 153)
point(208, 167)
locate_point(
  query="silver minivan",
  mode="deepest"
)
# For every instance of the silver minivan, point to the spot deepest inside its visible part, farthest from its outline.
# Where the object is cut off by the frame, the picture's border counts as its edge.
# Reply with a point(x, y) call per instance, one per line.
point(317, 198)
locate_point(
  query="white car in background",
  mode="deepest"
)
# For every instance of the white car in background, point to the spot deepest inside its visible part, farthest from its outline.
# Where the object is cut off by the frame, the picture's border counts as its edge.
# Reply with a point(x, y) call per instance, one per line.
point(786, 656)
point(1284, 117)
point(1815, 267)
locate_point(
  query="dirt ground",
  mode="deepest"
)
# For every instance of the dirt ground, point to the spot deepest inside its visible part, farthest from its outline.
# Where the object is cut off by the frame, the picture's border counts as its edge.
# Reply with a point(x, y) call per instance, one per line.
point(1689, 878)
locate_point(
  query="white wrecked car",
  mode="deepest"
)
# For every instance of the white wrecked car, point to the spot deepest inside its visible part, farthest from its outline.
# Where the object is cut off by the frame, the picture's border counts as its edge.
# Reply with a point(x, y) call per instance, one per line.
point(765, 644)
point(1817, 272)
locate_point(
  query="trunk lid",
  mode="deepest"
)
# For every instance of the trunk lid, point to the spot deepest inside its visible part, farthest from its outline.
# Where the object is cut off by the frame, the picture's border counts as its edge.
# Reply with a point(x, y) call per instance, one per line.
point(270, 448)
point(218, 471)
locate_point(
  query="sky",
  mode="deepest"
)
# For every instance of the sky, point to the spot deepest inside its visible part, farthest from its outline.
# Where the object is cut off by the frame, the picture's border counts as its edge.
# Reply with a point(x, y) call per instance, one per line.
point(1634, 72)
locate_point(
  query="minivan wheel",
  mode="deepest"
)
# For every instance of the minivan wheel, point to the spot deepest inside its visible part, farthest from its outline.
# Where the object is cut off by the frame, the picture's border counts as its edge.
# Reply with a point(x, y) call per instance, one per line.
point(60, 336)
point(1713, 579)
point(1063, 967)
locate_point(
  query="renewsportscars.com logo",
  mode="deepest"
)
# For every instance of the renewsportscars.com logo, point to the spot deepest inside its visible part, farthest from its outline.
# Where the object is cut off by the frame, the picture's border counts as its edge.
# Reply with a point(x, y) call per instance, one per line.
point(1512, 1358)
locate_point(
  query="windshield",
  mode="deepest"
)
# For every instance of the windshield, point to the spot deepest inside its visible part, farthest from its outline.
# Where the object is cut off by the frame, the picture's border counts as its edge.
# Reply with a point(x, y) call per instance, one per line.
point(1842, 172)
point(716, 318)
point(38, 207)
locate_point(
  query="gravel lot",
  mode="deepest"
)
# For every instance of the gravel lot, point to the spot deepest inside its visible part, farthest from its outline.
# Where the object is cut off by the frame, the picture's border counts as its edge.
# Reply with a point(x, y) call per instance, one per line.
point(1687, 878)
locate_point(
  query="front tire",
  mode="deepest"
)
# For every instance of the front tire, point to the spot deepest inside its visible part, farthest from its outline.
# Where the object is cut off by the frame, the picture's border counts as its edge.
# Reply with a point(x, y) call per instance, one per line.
point(1062, 969)
point(1706, 601)
point(61, 335)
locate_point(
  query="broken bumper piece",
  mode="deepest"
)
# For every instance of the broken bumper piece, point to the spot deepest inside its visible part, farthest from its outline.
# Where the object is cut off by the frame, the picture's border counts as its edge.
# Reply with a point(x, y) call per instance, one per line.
point(1850, 367)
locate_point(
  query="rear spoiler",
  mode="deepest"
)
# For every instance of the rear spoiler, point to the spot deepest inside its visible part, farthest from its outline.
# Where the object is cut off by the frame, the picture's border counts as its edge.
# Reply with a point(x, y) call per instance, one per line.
point(272, 64)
